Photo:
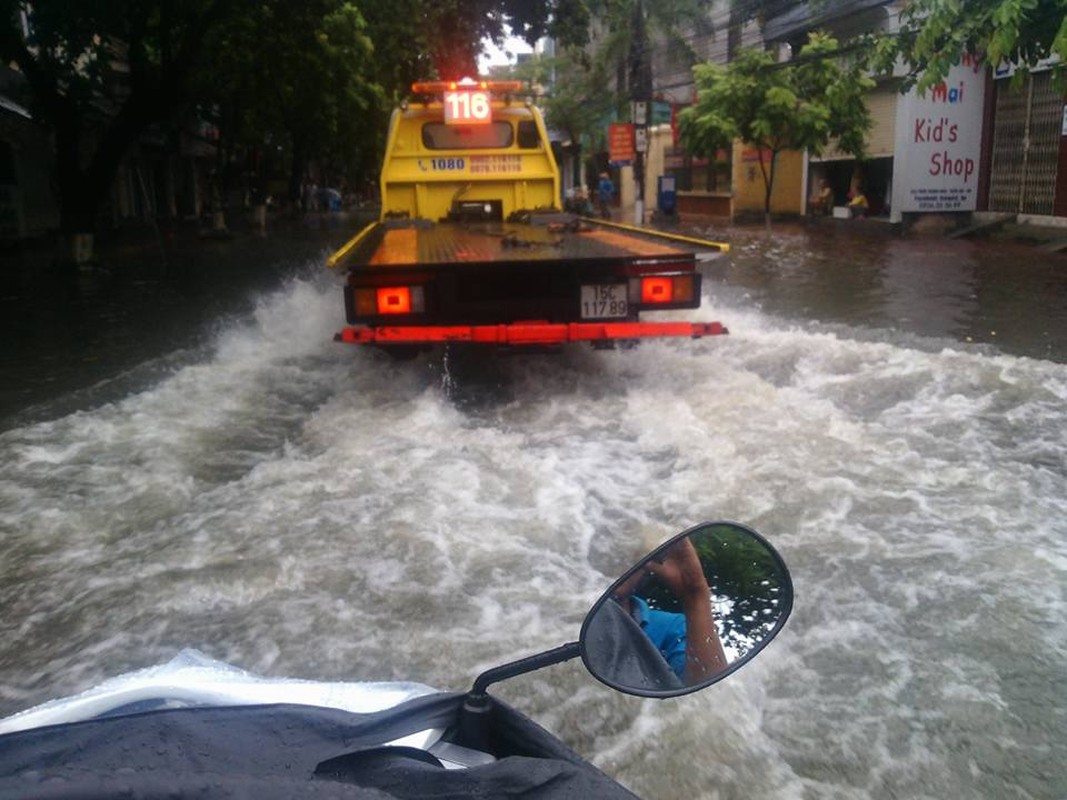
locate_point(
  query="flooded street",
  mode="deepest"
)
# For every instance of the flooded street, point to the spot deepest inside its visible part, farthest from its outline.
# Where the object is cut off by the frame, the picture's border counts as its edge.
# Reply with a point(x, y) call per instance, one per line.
point(78, 336)
point(1010, 297)
point(211, 470)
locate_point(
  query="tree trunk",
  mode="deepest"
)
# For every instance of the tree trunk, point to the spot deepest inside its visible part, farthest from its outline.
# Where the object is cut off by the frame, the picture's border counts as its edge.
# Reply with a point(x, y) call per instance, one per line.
point(77, 232)
point(259, 218)
point(78, 204)
point(734, 30)
point(82, 191)
point(296, 173)
point(768, 182)
point(576, 170)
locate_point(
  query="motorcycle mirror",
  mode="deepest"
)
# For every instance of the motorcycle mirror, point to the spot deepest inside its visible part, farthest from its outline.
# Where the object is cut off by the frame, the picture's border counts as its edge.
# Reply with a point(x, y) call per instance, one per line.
point(696, 609)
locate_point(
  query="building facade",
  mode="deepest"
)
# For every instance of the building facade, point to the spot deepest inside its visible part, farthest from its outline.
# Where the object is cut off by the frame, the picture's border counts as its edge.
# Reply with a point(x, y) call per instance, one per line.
point(27, 205)
point(982, 140)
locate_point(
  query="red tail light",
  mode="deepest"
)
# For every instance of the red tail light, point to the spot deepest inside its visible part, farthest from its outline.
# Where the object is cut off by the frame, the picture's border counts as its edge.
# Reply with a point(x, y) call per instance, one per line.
point(394, 300)
point(659, 289)
point(388, 300)
point(656, 290)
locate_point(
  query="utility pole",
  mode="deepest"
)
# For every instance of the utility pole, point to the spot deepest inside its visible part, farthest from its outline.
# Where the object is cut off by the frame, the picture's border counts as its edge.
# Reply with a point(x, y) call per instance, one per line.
point(640, 96)
point(641, 102)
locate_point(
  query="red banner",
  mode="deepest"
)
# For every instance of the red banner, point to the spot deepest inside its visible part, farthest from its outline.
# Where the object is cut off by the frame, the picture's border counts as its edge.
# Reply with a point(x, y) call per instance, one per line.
point(621, 142)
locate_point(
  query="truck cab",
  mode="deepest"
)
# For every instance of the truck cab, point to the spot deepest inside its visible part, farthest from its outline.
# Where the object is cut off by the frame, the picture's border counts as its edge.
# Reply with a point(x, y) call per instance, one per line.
point(472, 155)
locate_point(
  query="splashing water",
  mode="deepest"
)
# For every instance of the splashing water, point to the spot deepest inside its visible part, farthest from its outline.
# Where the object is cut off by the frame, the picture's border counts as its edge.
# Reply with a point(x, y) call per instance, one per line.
point(302, 508)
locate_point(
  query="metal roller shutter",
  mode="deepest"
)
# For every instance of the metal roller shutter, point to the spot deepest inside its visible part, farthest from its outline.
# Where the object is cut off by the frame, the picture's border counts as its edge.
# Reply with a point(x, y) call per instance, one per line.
point(882, 105)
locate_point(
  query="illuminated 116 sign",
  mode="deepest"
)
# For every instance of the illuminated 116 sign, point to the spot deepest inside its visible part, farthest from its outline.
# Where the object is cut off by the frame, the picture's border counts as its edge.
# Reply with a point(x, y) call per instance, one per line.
point(465, 106)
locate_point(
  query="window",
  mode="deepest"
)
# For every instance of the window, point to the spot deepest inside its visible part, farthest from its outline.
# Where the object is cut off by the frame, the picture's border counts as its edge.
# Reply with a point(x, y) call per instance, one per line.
point(699, 174)
point(439, 136)
point(529, 138)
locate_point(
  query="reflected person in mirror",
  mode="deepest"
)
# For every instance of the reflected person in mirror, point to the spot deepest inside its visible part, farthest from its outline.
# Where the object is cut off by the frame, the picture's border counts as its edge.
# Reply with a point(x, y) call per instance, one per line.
point(688, 641)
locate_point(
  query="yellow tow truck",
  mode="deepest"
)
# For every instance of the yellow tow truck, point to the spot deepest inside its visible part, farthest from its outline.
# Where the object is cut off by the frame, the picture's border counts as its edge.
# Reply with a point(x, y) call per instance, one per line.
point(472, 244)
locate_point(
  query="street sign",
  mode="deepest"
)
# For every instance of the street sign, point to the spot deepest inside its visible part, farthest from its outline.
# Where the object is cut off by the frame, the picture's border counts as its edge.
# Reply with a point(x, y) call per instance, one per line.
point(641, 140)
point(621, 142)
point(639, 110)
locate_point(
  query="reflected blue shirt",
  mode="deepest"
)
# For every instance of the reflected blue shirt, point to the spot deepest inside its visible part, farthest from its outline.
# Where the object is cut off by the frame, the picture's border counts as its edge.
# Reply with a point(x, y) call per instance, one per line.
point(666, 630)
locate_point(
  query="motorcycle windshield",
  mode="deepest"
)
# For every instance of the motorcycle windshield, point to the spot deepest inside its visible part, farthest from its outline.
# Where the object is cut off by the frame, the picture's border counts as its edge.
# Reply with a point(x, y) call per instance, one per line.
point(277, 751)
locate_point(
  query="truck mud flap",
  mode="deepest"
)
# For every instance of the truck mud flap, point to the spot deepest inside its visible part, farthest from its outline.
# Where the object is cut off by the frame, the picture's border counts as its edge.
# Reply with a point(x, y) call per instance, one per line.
point(528, 333)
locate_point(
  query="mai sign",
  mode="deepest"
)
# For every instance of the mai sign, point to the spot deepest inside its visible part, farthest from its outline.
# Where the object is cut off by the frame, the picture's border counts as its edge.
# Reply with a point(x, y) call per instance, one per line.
point(939, 142)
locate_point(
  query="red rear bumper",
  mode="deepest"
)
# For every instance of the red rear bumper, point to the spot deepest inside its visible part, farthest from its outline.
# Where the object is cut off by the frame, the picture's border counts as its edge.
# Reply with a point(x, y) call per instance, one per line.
point(528, 333)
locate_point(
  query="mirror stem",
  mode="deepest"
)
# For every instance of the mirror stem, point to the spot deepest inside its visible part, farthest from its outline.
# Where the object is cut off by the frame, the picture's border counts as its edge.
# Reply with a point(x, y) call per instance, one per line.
point(529, 664)
point(474, 714)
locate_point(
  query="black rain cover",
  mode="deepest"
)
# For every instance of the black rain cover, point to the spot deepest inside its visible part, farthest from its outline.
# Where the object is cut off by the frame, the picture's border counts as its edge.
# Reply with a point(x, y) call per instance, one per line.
point(263, 752)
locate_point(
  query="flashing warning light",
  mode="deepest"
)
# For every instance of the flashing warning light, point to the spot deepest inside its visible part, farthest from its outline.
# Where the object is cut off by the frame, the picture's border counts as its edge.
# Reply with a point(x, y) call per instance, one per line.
point(440, 87)
point(466, 102)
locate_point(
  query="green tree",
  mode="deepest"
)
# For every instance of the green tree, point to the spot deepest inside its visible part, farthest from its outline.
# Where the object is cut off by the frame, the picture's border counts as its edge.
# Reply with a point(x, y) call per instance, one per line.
point(575, 102)
point(450, 32)
point(299, 74)
point(799, 105)
point(623, 32)
point(100, 72)
point(935, 34)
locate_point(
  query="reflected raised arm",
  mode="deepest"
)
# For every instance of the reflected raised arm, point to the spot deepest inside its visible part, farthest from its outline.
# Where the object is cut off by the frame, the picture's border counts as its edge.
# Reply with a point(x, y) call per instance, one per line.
point(683, 575)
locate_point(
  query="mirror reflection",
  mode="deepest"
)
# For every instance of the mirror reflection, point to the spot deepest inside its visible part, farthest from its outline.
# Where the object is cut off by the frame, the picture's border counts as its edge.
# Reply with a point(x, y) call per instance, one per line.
point(685, 615)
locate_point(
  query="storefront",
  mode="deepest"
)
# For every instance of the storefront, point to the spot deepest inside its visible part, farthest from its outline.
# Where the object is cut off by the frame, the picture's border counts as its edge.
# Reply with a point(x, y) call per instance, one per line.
point(845, 175)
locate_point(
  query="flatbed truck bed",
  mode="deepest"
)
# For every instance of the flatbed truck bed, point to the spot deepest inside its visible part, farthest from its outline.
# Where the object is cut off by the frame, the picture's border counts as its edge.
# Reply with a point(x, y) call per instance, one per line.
point(403, 244)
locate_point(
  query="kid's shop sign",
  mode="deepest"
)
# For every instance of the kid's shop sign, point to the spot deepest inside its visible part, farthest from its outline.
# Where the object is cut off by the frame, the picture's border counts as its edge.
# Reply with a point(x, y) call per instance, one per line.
point(939, 142)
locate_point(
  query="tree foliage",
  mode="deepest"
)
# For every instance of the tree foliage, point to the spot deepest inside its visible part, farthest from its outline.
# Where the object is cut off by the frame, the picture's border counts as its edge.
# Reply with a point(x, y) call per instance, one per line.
point(100, 72)
point(447, 35)
point(298, 74)
point(605, 56)
point(573, 97)
point(318, 74)
point(575, 102)
point(798, 105)
point(935, 34)
point(624, 30)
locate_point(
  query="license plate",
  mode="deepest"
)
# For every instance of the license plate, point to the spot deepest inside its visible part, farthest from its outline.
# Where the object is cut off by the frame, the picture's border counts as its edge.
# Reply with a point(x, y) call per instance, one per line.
point(604, 301)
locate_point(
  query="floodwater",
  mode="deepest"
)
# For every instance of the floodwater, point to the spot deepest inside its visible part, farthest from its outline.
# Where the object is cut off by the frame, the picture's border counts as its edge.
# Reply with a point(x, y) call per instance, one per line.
point(981, 295)
point(889, 414)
